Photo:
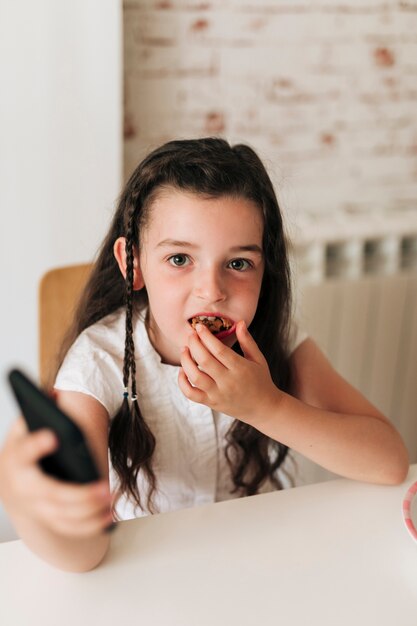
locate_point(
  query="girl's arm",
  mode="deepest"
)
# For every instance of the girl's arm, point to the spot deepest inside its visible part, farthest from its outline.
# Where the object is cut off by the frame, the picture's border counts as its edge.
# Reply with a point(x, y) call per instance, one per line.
point(324, 418)
point(63, 523)
point(342, 430)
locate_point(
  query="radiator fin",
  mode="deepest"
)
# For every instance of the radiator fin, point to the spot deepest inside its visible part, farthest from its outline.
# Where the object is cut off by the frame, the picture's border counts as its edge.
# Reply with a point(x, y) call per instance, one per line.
point(368, 329)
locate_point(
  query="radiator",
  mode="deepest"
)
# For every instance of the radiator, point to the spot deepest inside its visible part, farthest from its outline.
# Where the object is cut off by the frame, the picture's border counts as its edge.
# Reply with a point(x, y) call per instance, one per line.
point(358, 301)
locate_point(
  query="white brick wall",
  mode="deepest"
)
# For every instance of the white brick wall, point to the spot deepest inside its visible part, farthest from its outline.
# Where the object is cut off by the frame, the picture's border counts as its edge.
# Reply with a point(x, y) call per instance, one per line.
point(325, 91)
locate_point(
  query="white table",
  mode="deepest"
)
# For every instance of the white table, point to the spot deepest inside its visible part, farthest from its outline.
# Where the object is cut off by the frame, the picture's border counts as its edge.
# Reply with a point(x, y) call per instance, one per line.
point(334, 553)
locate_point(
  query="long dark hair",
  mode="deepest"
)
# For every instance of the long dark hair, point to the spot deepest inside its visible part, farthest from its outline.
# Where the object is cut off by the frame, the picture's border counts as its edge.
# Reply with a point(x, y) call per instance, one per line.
point(213, 168)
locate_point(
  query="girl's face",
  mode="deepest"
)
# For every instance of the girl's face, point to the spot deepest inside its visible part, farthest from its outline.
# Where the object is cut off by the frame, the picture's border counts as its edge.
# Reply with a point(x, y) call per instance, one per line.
point(199, 256)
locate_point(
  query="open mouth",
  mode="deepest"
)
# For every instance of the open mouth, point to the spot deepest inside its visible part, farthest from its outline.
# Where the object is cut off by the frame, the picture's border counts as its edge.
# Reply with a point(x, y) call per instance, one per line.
point(216, 324)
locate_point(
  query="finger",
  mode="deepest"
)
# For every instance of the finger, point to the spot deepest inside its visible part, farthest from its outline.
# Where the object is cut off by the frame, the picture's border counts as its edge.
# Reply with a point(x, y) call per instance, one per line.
point(79, 513)
point(34, 446)
point(64, 494)
point(248, 344)
point(17, 430)
point(84, 527)
point(76, 512)
point(196, 377)
point(52, 500)
point(222, 353)
point(200, 374)
point(190, 392)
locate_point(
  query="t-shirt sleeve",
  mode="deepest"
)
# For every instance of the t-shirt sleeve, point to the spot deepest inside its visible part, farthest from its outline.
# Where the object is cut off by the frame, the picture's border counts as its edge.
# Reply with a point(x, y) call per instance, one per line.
point(93, 371)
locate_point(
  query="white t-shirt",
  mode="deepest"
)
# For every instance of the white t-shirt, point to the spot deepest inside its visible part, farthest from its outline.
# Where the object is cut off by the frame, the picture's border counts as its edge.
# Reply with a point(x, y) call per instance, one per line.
point(189, 458)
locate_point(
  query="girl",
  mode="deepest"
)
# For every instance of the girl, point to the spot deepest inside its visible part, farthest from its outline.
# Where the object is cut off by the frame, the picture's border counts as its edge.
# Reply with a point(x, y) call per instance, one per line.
point(189, 416)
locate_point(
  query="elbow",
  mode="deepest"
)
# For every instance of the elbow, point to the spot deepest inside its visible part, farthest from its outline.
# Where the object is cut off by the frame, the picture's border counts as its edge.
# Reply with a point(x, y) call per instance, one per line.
point(400, 474)
point(396, 478)
point(397, 471)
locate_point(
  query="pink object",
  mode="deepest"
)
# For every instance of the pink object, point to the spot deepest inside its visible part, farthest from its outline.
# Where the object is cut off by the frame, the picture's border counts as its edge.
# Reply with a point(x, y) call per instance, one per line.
point(226, 333)
point(410, 510)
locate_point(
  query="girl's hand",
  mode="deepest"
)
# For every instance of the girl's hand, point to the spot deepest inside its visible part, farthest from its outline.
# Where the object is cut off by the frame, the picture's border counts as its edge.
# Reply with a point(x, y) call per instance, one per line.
point(69, 510)
point(215, 375)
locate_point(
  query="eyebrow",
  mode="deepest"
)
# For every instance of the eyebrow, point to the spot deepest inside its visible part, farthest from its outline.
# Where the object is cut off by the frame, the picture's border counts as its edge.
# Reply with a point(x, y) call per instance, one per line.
point(253, 247)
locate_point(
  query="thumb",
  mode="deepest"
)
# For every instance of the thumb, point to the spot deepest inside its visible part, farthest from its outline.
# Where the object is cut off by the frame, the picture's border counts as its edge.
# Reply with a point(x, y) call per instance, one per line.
point(248, 344)
point(37, 445)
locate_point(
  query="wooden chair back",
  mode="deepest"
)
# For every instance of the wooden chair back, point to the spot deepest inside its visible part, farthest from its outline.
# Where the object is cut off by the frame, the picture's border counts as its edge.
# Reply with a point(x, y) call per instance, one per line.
point(59, 291)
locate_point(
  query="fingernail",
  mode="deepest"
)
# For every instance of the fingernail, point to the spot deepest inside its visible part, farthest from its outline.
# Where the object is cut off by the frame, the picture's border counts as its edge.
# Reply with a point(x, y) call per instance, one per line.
point(199, 327)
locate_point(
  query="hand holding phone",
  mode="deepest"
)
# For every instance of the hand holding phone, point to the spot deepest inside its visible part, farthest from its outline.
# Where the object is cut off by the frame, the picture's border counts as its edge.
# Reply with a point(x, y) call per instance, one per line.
point(72, 461)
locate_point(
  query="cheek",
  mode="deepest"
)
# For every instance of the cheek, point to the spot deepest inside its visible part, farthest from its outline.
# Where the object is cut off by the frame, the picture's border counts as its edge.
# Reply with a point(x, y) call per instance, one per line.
point(252, 289)
point(250, 297)
point(164, 300)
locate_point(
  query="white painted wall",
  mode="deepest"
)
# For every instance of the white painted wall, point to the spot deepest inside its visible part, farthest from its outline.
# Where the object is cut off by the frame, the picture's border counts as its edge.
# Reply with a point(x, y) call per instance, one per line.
point(60, 156)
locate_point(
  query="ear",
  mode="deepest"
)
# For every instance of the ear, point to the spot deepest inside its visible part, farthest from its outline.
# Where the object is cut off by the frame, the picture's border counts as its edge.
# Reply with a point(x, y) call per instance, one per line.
point(119, 250)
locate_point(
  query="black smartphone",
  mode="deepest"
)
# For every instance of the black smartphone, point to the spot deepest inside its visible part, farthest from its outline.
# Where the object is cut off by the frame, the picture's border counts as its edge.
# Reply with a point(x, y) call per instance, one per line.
point(72, 461)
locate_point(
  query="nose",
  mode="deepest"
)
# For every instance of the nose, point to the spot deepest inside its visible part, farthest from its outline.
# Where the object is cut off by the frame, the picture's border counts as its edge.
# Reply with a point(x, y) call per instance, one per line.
point(210, 285)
